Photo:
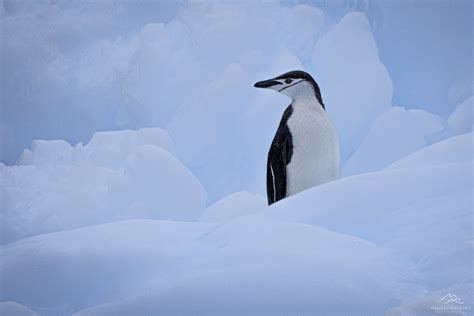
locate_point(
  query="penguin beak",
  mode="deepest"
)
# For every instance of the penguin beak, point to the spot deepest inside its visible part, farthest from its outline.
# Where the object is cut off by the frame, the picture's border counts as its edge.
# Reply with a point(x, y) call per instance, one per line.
point(266, 83)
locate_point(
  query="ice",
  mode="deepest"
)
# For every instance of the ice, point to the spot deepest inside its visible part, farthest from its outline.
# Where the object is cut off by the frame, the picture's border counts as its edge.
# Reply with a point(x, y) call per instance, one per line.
point(427, 197)
point(347, 67)
point(462, 119)
point(105, 149)
point(108, 69)
point(456, 149)
point(117, 175)
point(15, 309)
point(395, 240)
point(88, 265)
point(47, 152)
point(110, 149)
point(394, 134)
point(77, 68)
point(426, 75)
point(401, 189)
point(437, 302)
point(244, 265)
point(232, 206)
point(156, 185)
point(303, 17)
point(110, 222)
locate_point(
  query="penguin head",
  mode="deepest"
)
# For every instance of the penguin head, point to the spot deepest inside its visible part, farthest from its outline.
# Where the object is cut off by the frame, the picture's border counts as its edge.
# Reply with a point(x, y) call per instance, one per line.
point(294, 84)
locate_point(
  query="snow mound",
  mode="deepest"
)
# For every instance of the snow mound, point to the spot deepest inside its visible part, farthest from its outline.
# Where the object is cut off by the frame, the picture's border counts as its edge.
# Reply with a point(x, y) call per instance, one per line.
point(247, 265)
point(426, 202)
point(458, 149)
point(118, 175)
point(15, 309)
point(395, 134)
point(88, 265)
point(401, 189)
point(462, 119)
point(379, 242)
point(156, 185)
point(347, 68)
point(232, 206)
point(452, 300)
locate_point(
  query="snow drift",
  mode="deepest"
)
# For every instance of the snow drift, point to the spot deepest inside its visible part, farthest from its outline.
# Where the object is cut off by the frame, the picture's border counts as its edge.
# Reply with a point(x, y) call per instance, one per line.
point(394, 134)
point(232, 206)
point(393, 241)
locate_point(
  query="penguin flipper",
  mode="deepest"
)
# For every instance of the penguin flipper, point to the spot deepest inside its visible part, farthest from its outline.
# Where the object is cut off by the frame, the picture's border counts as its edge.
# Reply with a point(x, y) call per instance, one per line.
point(276, 171)
point(279, 156)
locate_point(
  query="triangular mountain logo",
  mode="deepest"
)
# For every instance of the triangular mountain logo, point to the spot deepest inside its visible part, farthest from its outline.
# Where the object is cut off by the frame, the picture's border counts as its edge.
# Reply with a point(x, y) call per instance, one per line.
point(450, 298)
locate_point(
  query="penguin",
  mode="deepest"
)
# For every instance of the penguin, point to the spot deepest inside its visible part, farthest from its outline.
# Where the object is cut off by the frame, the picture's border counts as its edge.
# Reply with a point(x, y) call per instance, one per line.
point(304, 152)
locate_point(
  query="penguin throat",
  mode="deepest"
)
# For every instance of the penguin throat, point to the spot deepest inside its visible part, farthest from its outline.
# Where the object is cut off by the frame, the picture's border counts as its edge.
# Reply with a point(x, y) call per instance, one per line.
point(303, 91)
point(309, 102)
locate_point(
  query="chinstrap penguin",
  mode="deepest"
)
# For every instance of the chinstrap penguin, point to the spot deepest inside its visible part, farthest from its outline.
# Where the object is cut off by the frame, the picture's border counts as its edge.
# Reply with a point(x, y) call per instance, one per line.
point(305, 150)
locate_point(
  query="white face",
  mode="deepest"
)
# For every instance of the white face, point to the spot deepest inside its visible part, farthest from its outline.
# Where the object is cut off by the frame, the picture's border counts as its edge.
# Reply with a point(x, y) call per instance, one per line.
point(294, 88)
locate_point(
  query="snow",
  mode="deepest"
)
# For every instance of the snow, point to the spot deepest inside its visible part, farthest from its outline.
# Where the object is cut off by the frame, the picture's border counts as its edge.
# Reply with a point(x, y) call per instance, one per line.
point(75, 268)
point(392, 241)
point(462, 119)
point(457, 149)
point(232, 206)
point(237, 264)
point(77, 68)
point(394, 134)
point(311, 253)
point(156, 185)
point(117, 175)
point(433, 303)
point(15, 309)
point(401, 188)
point(121, 75)
point(138, 116)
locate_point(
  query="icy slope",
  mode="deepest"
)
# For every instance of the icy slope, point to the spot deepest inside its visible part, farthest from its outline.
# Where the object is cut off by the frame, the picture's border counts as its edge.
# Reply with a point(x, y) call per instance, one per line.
point(457, 149)
point(248, 265)
point(395, 240)
point(232, 206)
point(396, 133)
point(117, 175)
point(14, 309)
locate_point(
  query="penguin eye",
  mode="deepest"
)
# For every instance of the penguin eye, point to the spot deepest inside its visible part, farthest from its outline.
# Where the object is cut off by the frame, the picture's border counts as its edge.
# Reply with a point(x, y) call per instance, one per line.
point(288, 81)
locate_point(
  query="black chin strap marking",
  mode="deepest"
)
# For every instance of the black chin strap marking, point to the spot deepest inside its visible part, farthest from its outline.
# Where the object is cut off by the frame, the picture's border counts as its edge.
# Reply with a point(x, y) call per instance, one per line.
point(290, 85)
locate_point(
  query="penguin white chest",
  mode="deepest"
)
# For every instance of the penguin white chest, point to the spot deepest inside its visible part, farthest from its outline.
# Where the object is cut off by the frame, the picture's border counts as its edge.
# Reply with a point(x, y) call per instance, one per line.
point(315, 158)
